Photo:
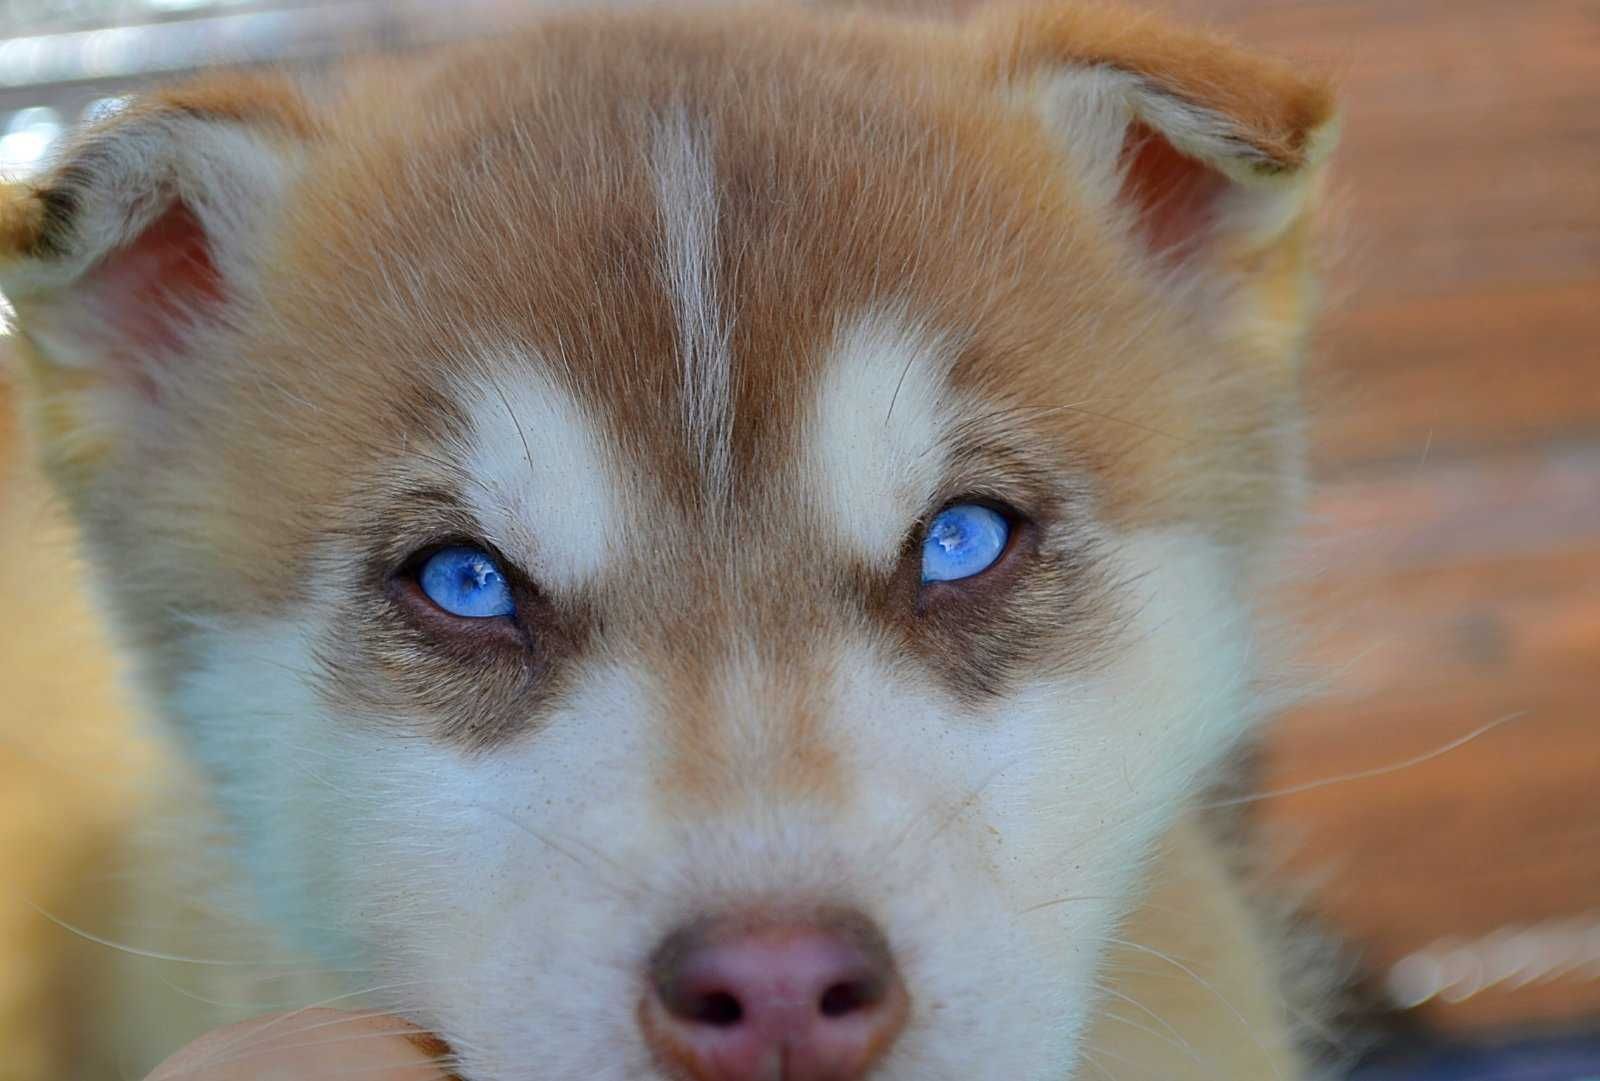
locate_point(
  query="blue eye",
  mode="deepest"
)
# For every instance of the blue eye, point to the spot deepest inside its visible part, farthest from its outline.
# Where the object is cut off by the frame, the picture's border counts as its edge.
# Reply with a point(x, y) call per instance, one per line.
point(962, 541)
point(466, 582)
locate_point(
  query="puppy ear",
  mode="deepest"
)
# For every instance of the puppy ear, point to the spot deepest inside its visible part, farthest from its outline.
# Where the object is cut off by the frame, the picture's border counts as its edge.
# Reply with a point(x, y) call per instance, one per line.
point(1208, 155)
point(144, 237)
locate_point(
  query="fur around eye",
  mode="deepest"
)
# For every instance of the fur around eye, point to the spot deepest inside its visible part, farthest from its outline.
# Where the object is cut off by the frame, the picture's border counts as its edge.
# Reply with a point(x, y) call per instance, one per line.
point(963, 541)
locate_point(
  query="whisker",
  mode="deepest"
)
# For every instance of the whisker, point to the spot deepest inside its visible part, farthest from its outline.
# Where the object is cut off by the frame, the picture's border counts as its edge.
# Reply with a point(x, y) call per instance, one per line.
point(899, 384)
point(1180, 1042)
point(516, 422)
point(1207, 986)
point(638, 884)
point(261, 1005)
point(953, 812)
point(1368, 774)
point(153, 955)
point(1095, 1055)
point(1042, 905)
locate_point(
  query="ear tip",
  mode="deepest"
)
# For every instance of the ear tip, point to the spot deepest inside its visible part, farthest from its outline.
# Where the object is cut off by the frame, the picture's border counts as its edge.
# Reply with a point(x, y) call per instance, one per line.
point(23, 217)
point(1322, 138)
point(1308, 102)
point(1302, 130)
point(1283, 116)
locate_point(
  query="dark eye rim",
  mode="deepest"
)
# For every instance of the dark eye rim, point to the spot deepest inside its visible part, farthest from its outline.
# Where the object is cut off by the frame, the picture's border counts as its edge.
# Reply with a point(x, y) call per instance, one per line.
point(404, 588)
point(1022, 541)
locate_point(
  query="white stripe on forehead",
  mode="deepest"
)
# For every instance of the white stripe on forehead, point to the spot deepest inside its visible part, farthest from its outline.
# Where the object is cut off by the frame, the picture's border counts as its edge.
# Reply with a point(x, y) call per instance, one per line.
point(545, 491)
point(874, 442)
point(686, 187)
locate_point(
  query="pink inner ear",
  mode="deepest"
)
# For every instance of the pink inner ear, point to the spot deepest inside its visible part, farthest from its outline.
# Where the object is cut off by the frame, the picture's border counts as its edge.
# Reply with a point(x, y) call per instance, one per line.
point(147, 293)
point(1175, 196)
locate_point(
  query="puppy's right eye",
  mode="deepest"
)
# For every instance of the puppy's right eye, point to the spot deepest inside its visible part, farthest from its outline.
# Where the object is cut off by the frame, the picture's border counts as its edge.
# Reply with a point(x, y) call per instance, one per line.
point(466, 582)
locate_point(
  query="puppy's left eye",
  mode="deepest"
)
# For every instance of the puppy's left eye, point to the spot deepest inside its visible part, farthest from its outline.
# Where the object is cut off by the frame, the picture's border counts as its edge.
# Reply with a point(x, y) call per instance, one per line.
point(963, 541)
point(466, 582)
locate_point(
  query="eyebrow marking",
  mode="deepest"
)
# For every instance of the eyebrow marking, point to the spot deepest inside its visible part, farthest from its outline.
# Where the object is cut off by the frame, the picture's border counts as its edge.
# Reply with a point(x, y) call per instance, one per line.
point(544, 487)
point(876, 444)
point(684, 170)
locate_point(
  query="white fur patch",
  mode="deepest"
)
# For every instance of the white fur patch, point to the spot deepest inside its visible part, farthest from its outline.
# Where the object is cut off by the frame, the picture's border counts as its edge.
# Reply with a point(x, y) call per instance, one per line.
point(544, 488)
point(686, 187)
point(874, 451)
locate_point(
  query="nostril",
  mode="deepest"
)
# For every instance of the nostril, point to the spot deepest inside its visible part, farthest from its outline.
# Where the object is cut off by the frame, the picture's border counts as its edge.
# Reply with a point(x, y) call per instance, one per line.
point(734, 1000)
point(848, 997)
point(719, 1009)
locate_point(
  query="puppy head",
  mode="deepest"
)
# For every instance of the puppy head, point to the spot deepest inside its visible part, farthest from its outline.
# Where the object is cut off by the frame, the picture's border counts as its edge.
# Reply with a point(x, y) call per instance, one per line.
point(667, 518)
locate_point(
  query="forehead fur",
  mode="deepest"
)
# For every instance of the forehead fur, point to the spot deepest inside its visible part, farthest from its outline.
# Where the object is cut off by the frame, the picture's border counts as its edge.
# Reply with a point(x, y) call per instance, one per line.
point(679, 221)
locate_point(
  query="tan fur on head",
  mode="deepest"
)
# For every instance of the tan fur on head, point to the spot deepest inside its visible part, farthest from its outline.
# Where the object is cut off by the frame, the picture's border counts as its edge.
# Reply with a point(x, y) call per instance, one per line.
point(691, 323)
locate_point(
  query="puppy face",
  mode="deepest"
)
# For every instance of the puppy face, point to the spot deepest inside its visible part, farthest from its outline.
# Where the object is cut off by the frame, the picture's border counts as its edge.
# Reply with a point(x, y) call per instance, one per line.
point(517, 478)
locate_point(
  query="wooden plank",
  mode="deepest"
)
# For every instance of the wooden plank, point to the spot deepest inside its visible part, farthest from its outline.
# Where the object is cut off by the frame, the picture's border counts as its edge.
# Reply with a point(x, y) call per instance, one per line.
point(1440, 597)
point(1461, 373)
point(1434, 512)
point(1499, 833)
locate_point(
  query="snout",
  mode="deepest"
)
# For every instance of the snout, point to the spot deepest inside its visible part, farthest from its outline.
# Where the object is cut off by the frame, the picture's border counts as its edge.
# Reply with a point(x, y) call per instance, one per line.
point(753, 999)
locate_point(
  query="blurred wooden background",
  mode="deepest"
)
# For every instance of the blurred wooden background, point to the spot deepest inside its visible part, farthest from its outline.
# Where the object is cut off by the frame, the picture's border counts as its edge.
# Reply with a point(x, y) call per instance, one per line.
point(1454, 550)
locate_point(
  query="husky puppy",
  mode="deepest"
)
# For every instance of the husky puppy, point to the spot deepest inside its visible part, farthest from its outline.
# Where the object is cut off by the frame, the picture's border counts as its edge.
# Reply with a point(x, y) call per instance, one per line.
point(711, 545)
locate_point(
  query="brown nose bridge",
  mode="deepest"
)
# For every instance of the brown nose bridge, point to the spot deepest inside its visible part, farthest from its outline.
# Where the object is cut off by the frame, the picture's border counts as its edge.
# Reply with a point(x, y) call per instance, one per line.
point(747, 716)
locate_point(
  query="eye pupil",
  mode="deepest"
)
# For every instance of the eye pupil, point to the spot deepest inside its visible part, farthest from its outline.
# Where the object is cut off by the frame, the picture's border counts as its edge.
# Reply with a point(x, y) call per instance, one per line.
point(466, 582)
point(476, 573)
point(963, 541)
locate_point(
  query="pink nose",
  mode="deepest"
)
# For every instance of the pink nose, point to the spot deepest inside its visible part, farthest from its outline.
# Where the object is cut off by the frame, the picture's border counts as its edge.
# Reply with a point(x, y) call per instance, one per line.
point(775, 1002)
